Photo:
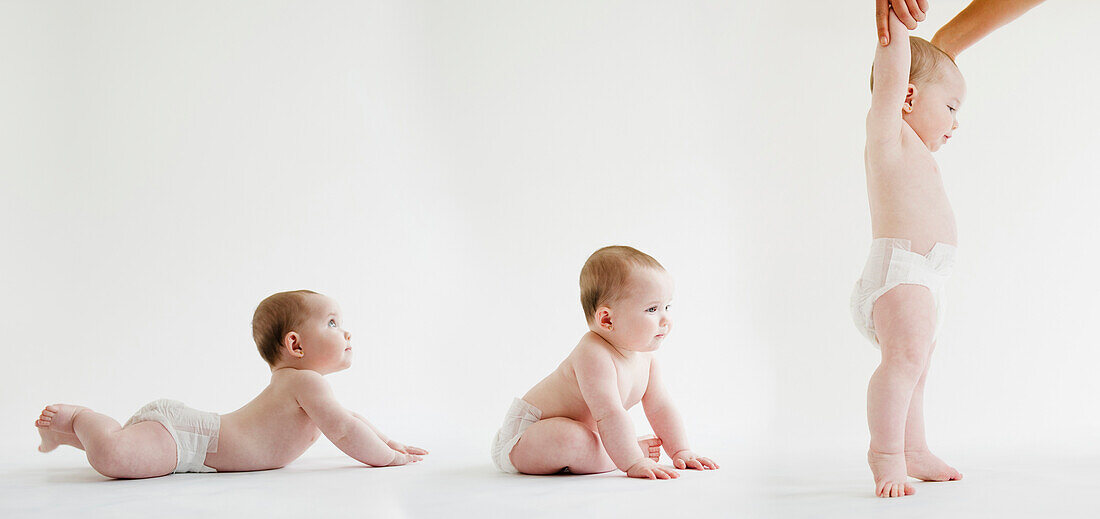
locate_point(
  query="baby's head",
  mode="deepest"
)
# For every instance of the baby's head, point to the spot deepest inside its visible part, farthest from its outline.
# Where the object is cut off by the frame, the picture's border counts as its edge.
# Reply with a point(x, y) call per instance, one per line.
point(301, 329)
point(936, 90)
point(625, 294)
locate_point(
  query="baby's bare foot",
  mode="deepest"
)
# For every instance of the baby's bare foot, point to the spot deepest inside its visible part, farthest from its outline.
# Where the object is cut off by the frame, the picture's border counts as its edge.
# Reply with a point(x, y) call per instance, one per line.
point(889, 472)
point(925, 466)
point(55, 426)
point(651, 447)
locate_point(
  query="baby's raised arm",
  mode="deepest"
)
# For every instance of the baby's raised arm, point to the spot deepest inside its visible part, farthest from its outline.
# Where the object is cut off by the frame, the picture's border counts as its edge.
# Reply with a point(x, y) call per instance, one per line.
point(351, 435)
point(891, 83)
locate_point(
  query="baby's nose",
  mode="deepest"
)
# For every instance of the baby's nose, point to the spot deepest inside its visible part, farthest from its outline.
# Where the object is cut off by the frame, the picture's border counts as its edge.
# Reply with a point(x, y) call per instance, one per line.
point(347, 336)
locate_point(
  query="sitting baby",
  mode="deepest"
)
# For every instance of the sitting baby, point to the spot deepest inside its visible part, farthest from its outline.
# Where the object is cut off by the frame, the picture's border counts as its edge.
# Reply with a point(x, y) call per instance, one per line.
point(575, 420)
point(301, 337)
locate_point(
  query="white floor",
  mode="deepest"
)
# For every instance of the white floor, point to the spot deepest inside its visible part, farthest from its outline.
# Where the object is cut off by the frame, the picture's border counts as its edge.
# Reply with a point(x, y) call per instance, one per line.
point(452, 484)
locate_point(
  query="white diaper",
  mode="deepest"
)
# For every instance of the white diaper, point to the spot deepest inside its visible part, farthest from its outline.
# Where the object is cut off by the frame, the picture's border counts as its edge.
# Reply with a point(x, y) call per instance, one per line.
point(892, 263)
point(519, 417)
point(195, 432)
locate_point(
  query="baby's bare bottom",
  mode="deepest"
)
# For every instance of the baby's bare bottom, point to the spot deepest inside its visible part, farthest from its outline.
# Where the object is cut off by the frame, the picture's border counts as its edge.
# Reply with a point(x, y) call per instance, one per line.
point(552, 445)
point(141, 450)
point(905, 322)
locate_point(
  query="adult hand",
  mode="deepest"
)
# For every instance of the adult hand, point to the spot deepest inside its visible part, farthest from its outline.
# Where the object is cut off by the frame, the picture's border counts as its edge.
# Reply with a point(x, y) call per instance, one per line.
point(909, 12)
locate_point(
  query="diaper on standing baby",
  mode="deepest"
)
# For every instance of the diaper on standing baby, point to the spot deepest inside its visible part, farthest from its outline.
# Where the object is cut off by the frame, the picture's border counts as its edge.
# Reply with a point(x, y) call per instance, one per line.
point(892, 263)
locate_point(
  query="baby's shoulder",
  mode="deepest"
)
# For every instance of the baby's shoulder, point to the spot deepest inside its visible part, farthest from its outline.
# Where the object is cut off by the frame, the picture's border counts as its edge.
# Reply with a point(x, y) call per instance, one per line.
point(593, 355)
point(592, 347)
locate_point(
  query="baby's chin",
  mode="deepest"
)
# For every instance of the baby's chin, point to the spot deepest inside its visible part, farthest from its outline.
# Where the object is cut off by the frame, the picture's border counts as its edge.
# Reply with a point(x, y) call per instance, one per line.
point(934, 146)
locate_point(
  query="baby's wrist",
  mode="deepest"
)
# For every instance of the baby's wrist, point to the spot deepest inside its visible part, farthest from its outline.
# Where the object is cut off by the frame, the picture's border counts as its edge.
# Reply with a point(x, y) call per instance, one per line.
point(639, 461)
point(679, 452)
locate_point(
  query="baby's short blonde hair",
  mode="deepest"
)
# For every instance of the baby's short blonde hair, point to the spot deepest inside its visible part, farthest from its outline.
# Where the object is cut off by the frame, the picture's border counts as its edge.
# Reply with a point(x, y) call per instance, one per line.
point(605, 274)
point(278, 315)
point(924, 62)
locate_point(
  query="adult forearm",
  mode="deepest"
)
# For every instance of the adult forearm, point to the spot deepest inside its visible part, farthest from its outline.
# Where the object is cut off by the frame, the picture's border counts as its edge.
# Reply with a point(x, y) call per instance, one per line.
point(617, 434)
point(975, 22)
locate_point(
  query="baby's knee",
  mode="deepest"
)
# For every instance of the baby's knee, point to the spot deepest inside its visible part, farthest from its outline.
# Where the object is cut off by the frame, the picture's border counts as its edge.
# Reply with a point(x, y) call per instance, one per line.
point(909, 355)
point(107, 459)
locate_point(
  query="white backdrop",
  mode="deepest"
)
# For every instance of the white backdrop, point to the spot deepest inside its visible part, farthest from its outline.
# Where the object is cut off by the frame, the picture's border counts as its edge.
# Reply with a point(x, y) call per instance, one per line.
point(444, 169)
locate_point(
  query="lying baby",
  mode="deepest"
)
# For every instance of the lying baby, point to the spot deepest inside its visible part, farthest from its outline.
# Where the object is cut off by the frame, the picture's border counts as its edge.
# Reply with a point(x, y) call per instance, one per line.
point(576, 419)
point(300, 336)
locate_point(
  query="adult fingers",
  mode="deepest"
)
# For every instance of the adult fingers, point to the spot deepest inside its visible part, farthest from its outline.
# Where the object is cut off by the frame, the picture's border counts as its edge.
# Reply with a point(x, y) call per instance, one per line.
point(902, 10)
point(882, 19)
point(915, 10)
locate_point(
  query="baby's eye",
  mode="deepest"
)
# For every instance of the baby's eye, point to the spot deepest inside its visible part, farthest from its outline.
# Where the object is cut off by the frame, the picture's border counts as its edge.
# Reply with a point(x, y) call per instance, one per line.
point(667, 307)
point(949, 107)
point(332, 323)
point(651, 309)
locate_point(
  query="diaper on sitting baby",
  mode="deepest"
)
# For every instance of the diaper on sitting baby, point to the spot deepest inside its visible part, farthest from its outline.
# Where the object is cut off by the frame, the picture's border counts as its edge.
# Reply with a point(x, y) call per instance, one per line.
point(519, 417)
point(195, 432)
point(892, 263)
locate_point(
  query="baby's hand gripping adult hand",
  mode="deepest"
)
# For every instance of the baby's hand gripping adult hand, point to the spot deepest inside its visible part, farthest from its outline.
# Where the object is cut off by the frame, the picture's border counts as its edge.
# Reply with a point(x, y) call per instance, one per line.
point(649, 469)
point(686, 459)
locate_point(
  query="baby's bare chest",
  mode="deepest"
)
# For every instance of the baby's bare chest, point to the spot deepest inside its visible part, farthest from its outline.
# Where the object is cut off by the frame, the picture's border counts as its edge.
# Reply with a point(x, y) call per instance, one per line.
point(633, 379)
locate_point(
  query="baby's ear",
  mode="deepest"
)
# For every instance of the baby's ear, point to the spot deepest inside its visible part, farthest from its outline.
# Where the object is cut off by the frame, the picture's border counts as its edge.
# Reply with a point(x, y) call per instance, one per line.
point(910, 91)
point(603, 318)
point(292, 344)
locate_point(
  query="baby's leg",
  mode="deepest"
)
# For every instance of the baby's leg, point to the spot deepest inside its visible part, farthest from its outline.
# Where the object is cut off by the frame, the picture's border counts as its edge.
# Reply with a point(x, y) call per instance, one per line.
point(920, 463)
point(141, 450)
point(549, 446)
point(905, 319)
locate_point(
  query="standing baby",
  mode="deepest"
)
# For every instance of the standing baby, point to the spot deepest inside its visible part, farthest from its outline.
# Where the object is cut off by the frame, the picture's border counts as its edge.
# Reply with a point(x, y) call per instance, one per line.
point(916, 91)
point(301, 337)
point(575, 420)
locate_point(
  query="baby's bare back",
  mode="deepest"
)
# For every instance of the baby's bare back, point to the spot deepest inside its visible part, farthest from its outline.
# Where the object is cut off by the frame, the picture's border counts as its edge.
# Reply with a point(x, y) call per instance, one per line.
point(267, 433)
point(559, 394)
point(906, 193)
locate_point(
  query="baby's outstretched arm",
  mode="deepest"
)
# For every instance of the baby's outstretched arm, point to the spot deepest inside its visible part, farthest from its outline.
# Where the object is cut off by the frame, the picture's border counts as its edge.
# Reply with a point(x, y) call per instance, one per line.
point(891, 84)
point(597, 378)
point(393, 444)
point(668, 425)
point(350, 434)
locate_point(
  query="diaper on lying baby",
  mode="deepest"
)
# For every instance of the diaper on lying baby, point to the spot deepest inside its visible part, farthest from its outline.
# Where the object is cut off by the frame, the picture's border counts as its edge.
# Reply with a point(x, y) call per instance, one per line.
point(519, 417)
point(195, 432)
point(892, 263)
